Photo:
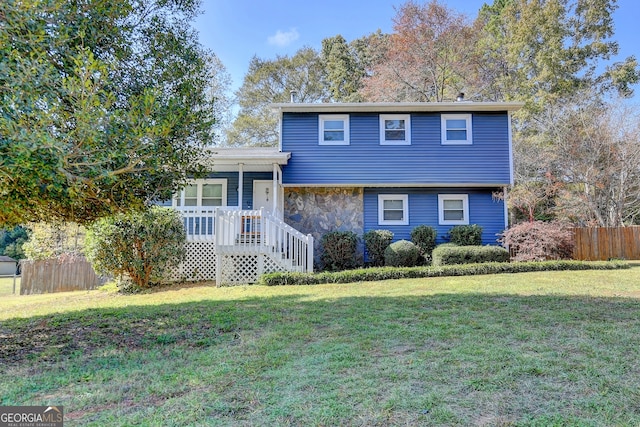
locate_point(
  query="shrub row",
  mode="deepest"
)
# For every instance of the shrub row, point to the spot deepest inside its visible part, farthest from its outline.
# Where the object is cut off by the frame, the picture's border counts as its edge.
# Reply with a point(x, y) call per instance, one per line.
point(386, 273)
point(450, 254)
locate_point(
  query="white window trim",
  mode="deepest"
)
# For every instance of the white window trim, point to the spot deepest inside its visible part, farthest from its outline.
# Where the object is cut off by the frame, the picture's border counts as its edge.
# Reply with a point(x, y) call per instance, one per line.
point(407, 130)
point(405, 209)
point(199, 183)
point(443, 129)
point(465, 208)
point(334, 117)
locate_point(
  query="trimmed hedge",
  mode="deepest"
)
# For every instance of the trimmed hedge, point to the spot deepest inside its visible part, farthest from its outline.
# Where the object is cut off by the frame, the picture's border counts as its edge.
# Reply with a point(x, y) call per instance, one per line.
point(386, 273)
point(450, 254)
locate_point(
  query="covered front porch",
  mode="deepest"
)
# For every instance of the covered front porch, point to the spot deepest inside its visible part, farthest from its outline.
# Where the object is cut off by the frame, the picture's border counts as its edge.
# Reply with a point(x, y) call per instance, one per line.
point(233, 220)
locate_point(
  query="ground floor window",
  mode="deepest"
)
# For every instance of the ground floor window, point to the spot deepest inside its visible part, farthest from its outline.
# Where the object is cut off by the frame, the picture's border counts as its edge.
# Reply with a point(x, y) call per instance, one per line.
point(453, 209)
point(393, 209)
point(203, 193)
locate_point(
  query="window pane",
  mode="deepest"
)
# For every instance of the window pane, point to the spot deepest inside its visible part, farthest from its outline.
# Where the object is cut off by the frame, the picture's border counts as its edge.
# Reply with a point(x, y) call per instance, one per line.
point(453, 215)
point(334, 135)
point(333, 125)
point(393, 124)
point(191, 202)
point(393, 215)
point(394, 135)
point(393, 204)
point(211, 190)
point(191, 191)
point(211, 202)
point(457, 135)
point(453, 204)
point(456, 124)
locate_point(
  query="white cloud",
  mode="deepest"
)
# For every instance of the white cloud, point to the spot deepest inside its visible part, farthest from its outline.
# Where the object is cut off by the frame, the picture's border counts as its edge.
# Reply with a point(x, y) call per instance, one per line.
point(284, 38)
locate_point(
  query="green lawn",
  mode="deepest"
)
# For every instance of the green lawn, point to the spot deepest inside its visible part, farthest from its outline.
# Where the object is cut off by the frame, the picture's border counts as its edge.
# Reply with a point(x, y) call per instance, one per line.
point(541, 349)
point(6, 286)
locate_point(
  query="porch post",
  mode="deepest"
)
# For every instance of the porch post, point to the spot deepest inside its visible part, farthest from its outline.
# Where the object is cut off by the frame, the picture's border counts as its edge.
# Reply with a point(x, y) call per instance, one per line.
point(240, 183)
point(275, 191)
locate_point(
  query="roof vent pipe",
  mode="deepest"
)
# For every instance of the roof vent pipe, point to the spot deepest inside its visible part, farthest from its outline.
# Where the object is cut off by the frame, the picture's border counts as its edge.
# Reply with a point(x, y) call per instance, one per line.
point(460, 97)
point(293, 93)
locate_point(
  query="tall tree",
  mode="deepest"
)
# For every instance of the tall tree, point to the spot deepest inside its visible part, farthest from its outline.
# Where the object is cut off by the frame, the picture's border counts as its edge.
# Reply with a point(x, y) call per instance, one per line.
point(428, 58)
point(543, 52)
point(596, 161)
point(104, 105)
point(269, 81)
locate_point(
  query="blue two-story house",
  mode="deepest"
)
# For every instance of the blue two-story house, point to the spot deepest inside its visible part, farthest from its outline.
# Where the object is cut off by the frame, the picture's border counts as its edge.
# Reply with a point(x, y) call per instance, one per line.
point(394, 166)
point(355, 166)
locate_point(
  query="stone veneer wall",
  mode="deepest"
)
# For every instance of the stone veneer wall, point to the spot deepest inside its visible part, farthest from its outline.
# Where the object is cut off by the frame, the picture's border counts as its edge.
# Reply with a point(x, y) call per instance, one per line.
point(317, 211)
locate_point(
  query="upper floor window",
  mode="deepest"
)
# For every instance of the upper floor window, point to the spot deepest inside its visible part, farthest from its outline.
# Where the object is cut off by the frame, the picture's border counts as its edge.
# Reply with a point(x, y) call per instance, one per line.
point(453, 209)
point(395, 129)
point(334, 129)
point(456, 129)
point(203, 192)
point(393, 209)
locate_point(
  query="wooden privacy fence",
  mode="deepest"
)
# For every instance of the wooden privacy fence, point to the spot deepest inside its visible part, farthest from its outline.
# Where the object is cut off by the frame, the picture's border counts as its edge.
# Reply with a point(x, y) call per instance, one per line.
point(603, 243)
point(54, 275)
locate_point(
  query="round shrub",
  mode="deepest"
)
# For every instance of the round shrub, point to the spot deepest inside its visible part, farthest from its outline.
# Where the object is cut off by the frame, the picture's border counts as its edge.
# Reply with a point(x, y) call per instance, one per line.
point(376, 241)
point(402, 253)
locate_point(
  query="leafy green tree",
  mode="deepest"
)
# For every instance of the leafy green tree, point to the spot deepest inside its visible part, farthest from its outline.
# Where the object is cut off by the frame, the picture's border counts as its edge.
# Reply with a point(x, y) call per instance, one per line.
point(104, 105)
point(140, 247)
point(544, 52)
point(343, 73)
point(12, 240)
point(54, 240)
point(269, 81)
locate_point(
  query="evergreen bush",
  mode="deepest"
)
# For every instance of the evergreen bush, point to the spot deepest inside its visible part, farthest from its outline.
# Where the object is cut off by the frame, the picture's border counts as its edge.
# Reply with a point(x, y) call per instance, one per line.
point(424, 237)
point(139, 247)
point(451, 254)
point(375, 242)
point(339, 250)
point(466, 235)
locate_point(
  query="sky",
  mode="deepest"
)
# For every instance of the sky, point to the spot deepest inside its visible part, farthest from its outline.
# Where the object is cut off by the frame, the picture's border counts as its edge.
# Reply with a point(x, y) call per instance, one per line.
point(236, 30)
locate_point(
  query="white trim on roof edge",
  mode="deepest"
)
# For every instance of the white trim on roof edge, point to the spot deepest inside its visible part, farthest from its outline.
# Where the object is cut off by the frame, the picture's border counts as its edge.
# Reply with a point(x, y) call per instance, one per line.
point(382, 107)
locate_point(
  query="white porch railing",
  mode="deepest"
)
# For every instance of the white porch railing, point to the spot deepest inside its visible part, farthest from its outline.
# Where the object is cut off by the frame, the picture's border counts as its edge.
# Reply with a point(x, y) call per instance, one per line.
point(257, 231)
point(238, 232)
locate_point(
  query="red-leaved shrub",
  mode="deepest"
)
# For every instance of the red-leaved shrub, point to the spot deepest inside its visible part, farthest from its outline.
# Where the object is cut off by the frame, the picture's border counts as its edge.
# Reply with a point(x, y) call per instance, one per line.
point(539, 241)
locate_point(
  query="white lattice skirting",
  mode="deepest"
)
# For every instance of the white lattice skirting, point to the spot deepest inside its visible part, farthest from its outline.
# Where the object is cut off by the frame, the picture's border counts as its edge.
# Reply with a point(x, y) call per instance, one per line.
point(239, 269)
point(199, 265)
point(236, 269)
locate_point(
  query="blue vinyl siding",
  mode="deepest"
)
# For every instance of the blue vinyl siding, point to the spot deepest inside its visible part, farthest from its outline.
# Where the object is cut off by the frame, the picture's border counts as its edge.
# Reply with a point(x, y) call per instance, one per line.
point(423, 209)
point(426, 161)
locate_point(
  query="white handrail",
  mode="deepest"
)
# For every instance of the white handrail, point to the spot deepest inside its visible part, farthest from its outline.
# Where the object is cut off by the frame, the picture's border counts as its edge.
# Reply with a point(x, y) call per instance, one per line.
point(255, 231)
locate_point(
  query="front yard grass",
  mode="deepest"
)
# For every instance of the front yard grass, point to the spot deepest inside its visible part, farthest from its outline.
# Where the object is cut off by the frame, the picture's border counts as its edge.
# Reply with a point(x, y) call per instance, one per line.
point(548, 348)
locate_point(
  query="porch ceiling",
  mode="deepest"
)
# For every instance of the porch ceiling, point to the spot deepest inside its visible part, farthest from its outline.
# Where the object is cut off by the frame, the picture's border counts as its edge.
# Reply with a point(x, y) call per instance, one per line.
point(253, 159)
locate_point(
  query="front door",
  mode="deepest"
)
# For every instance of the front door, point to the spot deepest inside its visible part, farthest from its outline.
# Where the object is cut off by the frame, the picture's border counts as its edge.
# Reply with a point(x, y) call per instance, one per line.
point(263, 195)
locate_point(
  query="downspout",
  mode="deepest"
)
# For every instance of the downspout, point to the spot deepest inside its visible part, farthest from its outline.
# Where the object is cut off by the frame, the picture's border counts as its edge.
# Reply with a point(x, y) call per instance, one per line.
point(275, 211)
